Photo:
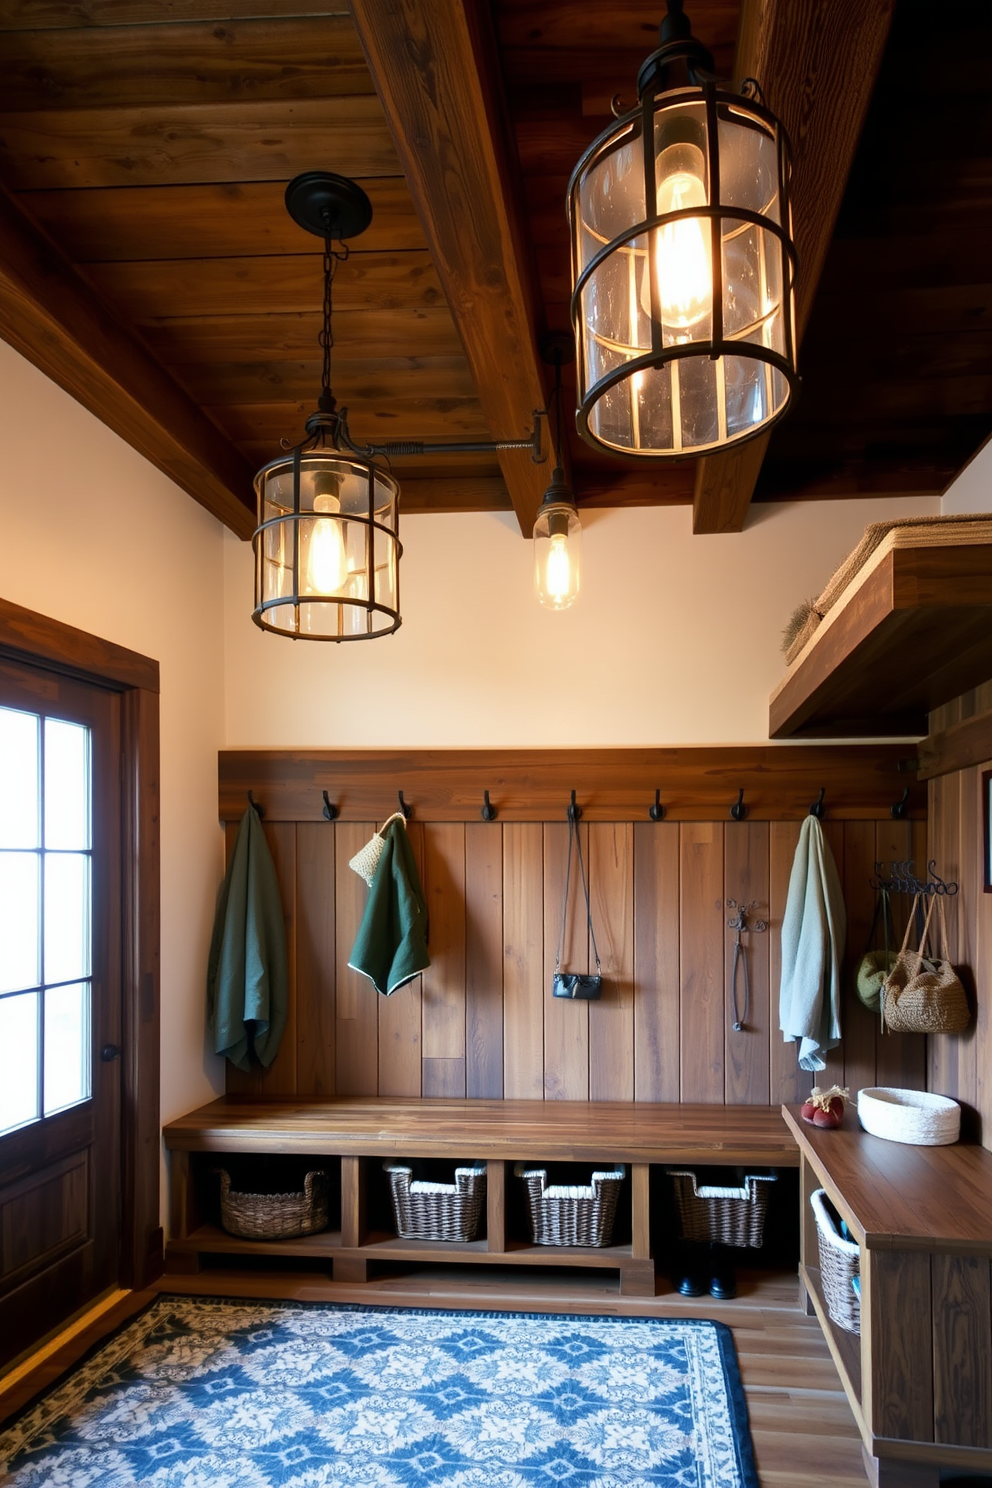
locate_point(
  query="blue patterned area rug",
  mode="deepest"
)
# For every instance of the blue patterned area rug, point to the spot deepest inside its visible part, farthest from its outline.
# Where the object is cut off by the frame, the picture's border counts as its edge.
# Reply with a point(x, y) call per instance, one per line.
point(199, 1393)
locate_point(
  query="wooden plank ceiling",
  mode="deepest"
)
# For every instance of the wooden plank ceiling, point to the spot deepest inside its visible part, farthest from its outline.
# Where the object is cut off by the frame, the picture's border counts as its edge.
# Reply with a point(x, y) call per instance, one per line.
point(152, 142)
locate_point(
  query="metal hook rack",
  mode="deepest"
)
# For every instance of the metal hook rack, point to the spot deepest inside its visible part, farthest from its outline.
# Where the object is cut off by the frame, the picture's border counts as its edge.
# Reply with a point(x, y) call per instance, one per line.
point(488, 812)
point(406, 810)
point(817, 807)
point(574, 812)
point(258, 809)
point(330, 812)
point(739, 811)
point(902, 880)
point(657, 811)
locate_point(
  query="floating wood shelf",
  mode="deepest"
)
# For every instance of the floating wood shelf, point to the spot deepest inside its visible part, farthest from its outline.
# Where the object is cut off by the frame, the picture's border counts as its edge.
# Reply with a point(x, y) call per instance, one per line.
point(914, 634)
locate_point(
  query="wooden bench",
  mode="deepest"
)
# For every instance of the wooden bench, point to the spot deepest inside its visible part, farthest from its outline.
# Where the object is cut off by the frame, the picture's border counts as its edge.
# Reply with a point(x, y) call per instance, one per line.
point(361, 1132)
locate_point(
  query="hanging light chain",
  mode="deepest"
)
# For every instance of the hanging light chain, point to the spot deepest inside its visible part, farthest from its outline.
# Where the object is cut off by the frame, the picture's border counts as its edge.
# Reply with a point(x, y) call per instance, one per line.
point(326, 338)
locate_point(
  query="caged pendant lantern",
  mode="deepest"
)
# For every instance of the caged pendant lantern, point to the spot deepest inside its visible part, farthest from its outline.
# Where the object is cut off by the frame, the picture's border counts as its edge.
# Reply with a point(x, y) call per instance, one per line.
point(683, 264)
point(327, 546)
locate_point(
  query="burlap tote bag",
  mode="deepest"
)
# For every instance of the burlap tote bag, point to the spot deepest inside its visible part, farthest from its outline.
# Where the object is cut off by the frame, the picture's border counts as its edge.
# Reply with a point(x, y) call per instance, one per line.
point(924, 995)
point(366, 860)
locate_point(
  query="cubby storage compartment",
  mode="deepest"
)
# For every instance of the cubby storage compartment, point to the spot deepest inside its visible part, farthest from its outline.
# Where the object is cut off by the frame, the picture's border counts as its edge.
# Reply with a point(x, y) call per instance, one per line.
point(728, 1211)
point(572, 1213)
point(425, 1209)
point(282, 1215)
point(840, 1265)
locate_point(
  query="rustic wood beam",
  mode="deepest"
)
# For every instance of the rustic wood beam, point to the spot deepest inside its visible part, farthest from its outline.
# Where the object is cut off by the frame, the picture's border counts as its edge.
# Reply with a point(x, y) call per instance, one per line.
point(817, 65)
point(434, 68)
point(51, 315)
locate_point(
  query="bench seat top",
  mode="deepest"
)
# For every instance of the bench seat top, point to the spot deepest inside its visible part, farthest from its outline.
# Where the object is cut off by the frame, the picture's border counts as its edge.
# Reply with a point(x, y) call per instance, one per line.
point(520, 1130)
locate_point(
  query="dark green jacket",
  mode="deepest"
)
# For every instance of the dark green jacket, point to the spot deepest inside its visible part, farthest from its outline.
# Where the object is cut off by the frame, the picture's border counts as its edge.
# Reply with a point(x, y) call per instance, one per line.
point(391, 945)
point(247, 979)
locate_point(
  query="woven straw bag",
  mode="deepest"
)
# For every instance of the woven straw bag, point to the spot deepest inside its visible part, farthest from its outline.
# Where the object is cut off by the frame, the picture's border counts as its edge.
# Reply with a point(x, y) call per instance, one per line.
point(366, 860)
point(924, 995)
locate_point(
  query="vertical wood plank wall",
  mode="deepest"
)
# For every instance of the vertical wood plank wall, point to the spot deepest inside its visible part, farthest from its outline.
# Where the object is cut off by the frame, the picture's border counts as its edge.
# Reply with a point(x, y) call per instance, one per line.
point(482, 1022)
point(962, 1066)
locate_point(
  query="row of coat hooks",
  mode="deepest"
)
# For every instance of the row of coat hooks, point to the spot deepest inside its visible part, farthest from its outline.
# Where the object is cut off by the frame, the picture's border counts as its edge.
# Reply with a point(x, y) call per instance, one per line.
point(902, 879)
point(656, 812)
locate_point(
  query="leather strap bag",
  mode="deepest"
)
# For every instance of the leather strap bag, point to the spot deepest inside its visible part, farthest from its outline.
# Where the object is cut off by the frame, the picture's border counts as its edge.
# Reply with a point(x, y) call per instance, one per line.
point(924, 995)
point(572, 984)
point(876, 963)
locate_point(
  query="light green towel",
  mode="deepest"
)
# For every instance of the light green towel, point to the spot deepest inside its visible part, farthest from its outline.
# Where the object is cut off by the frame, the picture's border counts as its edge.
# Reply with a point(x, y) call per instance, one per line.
point(247, 979)
point(391, 946)
point(813, 929)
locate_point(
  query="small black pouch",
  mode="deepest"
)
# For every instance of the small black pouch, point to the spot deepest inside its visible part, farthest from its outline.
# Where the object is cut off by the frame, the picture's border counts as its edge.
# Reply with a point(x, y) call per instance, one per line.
point(578, 986)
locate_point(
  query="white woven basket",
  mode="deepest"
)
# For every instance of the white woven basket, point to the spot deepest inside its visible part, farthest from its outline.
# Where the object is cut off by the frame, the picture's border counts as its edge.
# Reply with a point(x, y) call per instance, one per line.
point(913, 1116)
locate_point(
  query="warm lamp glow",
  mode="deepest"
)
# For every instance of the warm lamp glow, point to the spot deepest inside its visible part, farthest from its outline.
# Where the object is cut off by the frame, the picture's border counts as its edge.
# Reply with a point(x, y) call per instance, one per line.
point(327, 561)
point(557, 546)
point(557, 570)
point(681, 248)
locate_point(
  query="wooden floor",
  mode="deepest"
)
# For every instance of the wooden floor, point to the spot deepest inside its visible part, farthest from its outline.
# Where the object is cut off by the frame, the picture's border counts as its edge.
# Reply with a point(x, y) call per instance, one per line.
point(802, 1426)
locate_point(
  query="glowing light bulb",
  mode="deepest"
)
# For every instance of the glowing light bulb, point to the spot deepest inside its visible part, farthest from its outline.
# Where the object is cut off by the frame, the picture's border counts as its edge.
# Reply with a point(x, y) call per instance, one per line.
point(327, 560)
point(558, 570)
point(682, 249)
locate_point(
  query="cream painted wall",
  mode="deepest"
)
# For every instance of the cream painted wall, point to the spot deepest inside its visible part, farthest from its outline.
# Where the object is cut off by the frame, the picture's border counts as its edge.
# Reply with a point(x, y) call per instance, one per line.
point(674, 639)
point(107, 543)
point(971, 490)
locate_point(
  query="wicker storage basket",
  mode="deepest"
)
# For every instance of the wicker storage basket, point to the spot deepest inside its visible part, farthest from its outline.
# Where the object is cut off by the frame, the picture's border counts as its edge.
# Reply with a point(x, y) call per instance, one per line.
point(728, 1216)
point(569, 1214)
point(437, 1211)
point(274, 1216)
point(913, 1116)
point(840, 1263)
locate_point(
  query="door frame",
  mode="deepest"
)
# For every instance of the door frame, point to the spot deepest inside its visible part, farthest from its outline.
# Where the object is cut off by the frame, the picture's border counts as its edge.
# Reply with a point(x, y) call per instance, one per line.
point(40, 641)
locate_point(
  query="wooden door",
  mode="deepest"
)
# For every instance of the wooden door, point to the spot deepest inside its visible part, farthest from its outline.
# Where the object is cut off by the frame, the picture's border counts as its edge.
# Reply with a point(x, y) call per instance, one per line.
point(60, 1000)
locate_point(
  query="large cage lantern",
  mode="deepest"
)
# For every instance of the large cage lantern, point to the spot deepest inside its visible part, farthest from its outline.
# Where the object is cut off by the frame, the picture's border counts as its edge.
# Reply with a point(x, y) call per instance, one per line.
point(683, 264)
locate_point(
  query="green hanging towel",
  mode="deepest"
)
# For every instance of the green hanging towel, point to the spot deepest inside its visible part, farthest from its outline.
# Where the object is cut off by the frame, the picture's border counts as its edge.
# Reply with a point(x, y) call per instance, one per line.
point(247, 979)
point(391, 946)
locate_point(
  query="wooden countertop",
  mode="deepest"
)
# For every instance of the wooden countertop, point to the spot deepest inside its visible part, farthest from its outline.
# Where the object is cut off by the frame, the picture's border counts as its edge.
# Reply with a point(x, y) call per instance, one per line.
point(899, 1197)
point(603, 1131)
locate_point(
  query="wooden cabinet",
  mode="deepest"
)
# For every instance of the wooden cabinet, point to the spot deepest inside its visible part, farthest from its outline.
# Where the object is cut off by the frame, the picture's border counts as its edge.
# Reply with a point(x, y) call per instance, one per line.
point(354, 1137)
point(919, 1377)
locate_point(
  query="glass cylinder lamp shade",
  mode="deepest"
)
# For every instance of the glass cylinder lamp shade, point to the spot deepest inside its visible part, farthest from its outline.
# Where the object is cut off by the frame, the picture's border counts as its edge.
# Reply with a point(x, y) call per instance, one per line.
point(327, 548)
point(683, 269)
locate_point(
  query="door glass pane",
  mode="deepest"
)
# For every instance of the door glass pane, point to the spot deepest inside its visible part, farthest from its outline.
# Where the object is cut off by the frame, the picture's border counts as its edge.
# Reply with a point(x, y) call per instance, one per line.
point(19, 814)
point(19, 925)
point(67, 1046)
point(67, 916)
point(19, 1043)
point(67, 792)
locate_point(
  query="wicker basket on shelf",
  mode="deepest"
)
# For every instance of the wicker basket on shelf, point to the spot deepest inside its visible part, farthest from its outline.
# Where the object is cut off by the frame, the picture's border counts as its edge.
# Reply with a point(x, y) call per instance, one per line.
point(437, 1211)
point(727, 1216)
point(840, 1263)
point(569, 1214)
point(280, 1216)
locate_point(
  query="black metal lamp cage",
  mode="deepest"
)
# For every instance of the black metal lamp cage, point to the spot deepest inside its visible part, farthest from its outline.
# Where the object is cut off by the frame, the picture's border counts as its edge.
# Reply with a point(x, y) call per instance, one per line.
point(683, 264)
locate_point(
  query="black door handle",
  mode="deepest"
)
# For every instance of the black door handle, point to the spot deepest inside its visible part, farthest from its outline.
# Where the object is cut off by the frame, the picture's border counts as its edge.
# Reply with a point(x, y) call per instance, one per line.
point(110, 1052)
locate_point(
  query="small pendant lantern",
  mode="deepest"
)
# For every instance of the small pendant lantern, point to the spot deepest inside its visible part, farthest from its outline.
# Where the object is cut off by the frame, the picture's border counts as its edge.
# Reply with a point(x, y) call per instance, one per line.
point(327, 546)
point(557, 531)
point(683, 264)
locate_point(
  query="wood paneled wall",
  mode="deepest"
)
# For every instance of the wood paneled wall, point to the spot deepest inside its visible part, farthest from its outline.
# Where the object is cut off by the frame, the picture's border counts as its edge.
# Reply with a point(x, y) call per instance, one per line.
point(962, 1066)
point(481, 1021)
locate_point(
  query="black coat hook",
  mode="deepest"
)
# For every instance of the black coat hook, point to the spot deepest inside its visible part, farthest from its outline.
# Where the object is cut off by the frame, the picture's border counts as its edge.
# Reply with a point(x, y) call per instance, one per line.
point(899, 808)
point(488, 813)
point(330, 810)
point(739, 811)
point(657, 811)
point(574, 812)
point(406, 810)
point(817, 807)
point(258, 810)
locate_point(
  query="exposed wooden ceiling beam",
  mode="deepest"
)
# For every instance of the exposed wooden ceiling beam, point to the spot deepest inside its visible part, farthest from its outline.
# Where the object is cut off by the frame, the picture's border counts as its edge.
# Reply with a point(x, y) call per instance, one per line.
point(816, 64)
point(435, 73)
point(51, 315)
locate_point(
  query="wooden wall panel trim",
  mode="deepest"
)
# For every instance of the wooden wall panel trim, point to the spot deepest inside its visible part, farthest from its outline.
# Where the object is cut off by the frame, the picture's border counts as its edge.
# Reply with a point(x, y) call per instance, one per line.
point(656, 961)
point(444, 981)
point(611, 1020)
point(315, 958)
point(745, 879)
point(523, 968)
point(483, 959)
point(356, 1012)
point(703, 1003)
point(697, 784)
point(566, 1023)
